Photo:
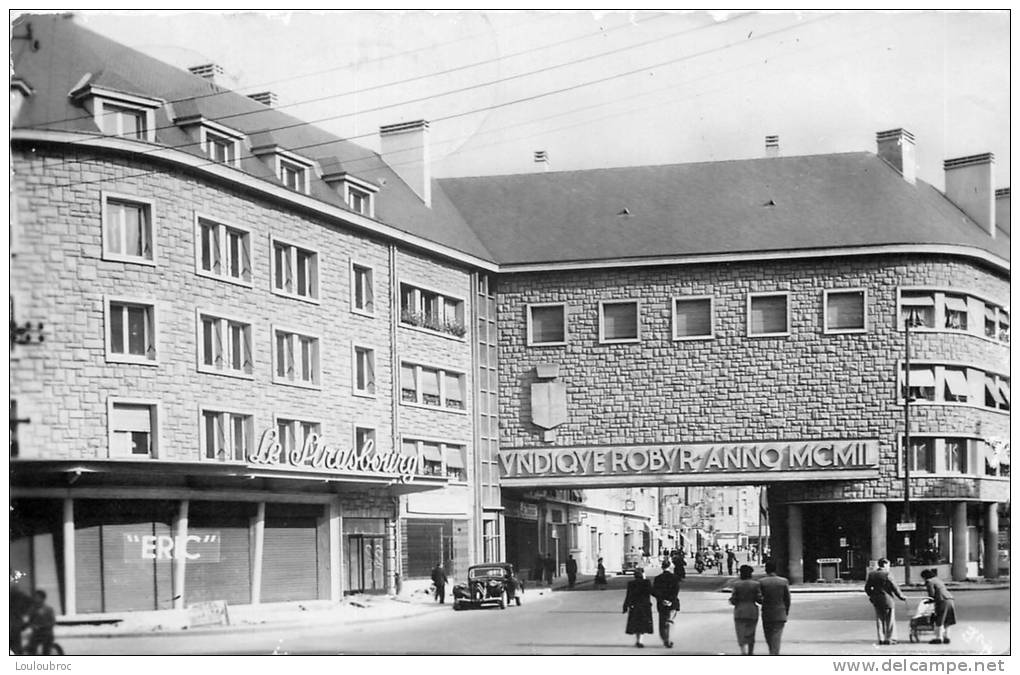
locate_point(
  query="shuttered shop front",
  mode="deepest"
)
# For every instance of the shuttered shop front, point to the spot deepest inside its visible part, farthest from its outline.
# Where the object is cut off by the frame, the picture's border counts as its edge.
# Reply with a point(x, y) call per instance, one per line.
point(290, 558)
point(220, 551)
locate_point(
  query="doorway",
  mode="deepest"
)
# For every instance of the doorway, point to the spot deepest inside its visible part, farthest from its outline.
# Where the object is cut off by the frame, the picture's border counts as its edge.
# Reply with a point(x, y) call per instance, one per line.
point(365, 564)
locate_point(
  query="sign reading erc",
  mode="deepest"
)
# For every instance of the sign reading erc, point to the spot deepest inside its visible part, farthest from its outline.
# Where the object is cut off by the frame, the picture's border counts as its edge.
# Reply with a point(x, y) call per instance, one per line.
point(822, 455)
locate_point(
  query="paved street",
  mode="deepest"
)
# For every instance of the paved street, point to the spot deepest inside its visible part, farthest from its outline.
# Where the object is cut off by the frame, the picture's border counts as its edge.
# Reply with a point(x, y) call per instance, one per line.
point(588, 622)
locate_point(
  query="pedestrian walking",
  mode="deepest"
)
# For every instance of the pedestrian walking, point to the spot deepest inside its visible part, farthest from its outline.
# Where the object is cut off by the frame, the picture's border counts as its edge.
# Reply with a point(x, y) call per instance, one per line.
point(775, 606)
point(539, 569)
point(731, 559)
point(881, 590)
point(571, 571)
point(550, 568)
point(745, 598)
point(637, 605)
point(439, 580)
point(679, 565)
point(718, 560)
point(600, 576)
point(666, 588)
point(945, 606)
point(41, 620)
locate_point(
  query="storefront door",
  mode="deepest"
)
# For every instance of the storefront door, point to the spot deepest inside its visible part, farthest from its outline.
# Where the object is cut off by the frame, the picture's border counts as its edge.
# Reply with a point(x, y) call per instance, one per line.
point(365, 561)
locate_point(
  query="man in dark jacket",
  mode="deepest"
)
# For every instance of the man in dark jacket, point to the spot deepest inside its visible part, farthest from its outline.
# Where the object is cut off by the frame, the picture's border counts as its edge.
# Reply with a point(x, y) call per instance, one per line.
point(775, 606)
point(571, 571)
point(550, 568)
point(666, 588)
point(439, 579)
point(881, 590)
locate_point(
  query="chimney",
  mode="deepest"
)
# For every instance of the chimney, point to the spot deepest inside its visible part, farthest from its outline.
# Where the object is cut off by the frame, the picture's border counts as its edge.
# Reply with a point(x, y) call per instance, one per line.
point(969, 183)
point(405, 147)
point(896, 147)
point(772, 146)
point(208, 71)
point(266, 98)
point(542, 160)
point(1002, 210)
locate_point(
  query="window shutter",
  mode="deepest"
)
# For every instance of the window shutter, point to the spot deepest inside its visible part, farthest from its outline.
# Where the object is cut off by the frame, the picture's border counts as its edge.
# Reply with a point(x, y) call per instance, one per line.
point(117, 313)
point(218, 342)
point(134, 241)
point(244, 246)
point(132, 417)
point(369, 371)
point(454, 457)
point(289, 346)
point(217, 255)
point(246, 349)
point(369, 291)
point(407, 377)
point(221, 437)
point(430, 382)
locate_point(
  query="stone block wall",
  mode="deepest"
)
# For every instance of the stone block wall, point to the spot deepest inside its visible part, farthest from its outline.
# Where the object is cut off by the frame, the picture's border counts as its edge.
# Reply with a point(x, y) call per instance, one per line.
point(807, 385)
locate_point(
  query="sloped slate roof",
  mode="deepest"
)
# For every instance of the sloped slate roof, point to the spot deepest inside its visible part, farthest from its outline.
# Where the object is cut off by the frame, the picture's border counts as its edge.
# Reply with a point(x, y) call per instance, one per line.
point(68, 52)
point(769, 204)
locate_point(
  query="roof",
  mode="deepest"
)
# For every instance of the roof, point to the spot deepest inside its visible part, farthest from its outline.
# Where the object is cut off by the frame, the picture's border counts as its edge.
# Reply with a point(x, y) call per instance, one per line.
point(754, 206)
point(70, 56)
point(731, 207)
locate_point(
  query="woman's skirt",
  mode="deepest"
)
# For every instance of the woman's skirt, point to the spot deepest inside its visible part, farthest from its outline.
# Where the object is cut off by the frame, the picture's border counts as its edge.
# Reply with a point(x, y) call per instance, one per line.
point(639, 619)
point(945, 612)
point(745, 630)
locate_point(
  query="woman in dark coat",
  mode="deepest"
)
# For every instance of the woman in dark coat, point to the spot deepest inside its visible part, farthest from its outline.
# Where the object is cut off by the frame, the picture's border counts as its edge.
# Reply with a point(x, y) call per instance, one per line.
point(945, 606)
point(638, 606)
point(600, 576)
point(745, 599)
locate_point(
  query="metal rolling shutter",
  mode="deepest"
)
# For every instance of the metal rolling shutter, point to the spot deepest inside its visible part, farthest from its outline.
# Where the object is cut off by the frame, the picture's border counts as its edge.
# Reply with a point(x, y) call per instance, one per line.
point(88, 569)
point(228, 577)
point(290, 559)
point(130, 582)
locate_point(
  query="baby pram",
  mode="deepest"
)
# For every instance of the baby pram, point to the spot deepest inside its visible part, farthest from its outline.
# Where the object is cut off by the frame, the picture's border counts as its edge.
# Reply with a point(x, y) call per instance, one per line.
point(923, 620)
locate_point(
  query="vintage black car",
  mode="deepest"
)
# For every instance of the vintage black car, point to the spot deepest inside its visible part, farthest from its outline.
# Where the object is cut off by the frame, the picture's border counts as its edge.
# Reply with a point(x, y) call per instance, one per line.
point(488, 584)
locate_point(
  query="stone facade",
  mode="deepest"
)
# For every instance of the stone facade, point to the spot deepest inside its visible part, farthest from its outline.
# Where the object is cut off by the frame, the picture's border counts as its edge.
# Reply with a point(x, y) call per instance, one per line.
point(732, 387)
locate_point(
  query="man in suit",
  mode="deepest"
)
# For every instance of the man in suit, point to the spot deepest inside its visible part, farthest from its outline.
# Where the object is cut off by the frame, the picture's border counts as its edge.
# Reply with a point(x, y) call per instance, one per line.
point(666, 588)
point(571, 571)
point(775, 606)
point(881, 590)
point(439, 579)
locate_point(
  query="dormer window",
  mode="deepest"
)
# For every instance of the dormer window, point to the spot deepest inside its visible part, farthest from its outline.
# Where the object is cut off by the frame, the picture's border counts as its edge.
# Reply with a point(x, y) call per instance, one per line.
point(120, 114)
point(221, 144)
point(358, 194)
point(293, 170)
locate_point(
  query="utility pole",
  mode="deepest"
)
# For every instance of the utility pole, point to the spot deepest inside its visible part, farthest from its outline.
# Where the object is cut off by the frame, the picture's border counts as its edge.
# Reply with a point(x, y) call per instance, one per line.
point(909, 319)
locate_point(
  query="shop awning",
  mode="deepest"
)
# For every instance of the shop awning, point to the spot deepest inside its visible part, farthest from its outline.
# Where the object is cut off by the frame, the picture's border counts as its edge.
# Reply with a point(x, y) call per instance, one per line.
point(993, 389)
point(922, 377)
point(957, 382)
point(917, 300)
point(991, 313)
point(1004, 390)
point(430, 451)
point(454, 458)
point(956, 304)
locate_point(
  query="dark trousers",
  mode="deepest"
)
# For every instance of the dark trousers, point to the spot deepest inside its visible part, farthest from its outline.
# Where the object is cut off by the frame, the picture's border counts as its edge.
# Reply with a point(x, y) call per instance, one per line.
point(665, 615)
point(571, 578)
point(773, 635)
point(441, 593)
point(41, 638)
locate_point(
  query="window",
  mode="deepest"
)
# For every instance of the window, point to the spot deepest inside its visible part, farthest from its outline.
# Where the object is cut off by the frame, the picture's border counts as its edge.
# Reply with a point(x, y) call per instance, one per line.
point(956, 452)
point(359, 201)
point(364, 439)
point(127, 230)
point(692, 318)
point(956, 389)
point(956, 312)
point(295, 271)
point(432, 387)
point(845, 311)
point(1003, 326)
point(226, 436)
point(547, 325)
point(922, 455)
point(919, 307)
point(768, 314)
point(364, 371)
point(362, 289)
point(431, 310)
point(455, 469)
point(224, 346)
point(221, 148)
point(223, 251)
point(294, 434)
point(921, 383)
point(437, 458)
point(294, 176)
point(996, 392)
point(130, 331)
point(296, 358)
point(992, 322)
point(618, 321)
point(133, 429)
point(128, 122)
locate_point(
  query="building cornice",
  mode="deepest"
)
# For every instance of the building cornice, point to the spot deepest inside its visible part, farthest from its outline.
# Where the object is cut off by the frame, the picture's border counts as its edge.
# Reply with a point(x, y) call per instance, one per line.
point(760, 256)
point(229, 174)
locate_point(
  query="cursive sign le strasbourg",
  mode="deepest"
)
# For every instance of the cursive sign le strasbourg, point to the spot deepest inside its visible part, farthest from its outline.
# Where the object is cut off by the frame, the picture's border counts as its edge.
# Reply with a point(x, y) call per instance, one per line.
point(318, 455)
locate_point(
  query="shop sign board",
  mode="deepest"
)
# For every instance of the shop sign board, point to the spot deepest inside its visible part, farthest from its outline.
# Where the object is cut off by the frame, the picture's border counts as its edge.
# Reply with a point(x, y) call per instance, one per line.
point(906, 527)
point(196, 547)
point(315, 454)
point(691, 459)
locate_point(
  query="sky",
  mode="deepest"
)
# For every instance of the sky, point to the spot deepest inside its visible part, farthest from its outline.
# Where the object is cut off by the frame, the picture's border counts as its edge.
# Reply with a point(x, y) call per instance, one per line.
point(610, 88)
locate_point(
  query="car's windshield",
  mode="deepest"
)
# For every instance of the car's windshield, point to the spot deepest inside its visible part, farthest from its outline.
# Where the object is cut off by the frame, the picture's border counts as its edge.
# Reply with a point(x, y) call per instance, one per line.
point(486, 572)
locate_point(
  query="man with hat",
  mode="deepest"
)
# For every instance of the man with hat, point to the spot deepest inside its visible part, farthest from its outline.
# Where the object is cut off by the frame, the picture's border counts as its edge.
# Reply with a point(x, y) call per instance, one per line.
point(666, 588)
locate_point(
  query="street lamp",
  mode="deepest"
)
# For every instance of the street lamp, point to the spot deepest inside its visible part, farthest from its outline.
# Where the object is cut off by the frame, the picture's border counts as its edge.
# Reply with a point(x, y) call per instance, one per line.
point(912, 319)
